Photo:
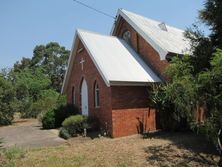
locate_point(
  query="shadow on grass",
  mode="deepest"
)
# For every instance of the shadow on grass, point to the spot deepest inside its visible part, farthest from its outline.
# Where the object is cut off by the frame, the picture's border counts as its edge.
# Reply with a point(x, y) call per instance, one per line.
point(184, 149)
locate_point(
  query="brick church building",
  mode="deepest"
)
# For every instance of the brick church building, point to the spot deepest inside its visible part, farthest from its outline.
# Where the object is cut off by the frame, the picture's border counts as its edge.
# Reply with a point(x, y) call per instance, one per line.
point(109, 76)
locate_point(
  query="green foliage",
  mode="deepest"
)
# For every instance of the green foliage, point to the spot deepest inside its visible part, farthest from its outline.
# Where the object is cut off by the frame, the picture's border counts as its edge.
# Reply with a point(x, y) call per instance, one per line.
point(29, 85)
point(63, 133)
point(175, 100)
point(54, 118)
point(178, 99)
point(7, 94)
point(211, 15)
point(63, 112)
point(211, 93)
point(37, 81)
point(169, 116)
point(48, 100)
point(48, 120)
point(52, 58)
point(201, 49)
point(180, 66)
point(75, 124)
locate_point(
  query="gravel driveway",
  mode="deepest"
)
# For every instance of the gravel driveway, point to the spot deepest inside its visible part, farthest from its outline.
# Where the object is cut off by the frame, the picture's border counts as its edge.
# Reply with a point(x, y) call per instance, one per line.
point(28, 133)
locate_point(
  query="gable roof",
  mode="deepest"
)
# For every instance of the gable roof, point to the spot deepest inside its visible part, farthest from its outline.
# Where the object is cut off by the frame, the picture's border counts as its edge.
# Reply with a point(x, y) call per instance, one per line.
point(115, 60)
point(170, 40)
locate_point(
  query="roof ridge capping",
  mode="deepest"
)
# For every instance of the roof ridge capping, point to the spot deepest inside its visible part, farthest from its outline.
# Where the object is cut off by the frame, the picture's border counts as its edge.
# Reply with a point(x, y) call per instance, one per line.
point(80, 30)
point(164, 42)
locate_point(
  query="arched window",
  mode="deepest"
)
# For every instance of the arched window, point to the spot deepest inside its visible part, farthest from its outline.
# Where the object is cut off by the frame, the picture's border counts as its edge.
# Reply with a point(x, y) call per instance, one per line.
point(127, 36)
point(73, 95)
point(96, 95)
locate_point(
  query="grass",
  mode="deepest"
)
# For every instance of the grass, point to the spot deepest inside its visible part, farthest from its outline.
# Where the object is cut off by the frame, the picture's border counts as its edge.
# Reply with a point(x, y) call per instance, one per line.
point(9, 155)
point(168, 149)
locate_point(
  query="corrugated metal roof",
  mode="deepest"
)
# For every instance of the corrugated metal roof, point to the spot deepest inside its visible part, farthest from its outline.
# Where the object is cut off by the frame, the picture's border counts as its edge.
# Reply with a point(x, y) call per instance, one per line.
point(170, 41)
point(115, 59)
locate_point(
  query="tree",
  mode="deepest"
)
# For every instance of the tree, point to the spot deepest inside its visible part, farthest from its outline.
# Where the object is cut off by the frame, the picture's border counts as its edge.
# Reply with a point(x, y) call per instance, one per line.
point(52, 58)
point(7, 94)
point(211, 90)
point(185, 91)
point(175, 99)
point(38, 80)
point(211, 15)
point(28, 84)
point(201, 49)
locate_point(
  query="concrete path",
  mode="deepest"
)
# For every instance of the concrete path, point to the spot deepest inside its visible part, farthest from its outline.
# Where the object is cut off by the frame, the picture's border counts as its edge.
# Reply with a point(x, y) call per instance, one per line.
point(28, 133)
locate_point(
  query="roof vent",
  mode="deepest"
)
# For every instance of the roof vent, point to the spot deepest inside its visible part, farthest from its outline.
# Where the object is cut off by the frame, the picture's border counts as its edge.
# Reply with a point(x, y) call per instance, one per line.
point(162, 26)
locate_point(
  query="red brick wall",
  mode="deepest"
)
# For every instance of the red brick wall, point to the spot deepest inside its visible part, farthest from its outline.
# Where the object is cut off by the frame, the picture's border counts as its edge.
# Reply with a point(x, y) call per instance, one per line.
point(127, 121)
point(121, 107)
point(128, 97)
point(130, 110)
point(148, 53)
point(91, 74)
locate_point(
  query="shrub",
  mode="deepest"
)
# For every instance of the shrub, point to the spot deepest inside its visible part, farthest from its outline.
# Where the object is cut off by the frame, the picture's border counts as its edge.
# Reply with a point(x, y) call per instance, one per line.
point(63, 112)
point(75, 124)
point(63, 133)
point(48, 120)
point(54, 118)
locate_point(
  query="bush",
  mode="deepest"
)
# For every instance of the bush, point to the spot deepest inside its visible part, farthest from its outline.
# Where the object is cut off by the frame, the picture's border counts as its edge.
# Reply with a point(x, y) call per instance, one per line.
point(54, 118)
point(48, 120)
point(75, 124)
point(63, 133)
point(63, 112)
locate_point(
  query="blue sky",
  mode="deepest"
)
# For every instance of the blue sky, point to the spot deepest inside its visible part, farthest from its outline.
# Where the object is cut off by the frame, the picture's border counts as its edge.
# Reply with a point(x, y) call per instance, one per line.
point(27, 23)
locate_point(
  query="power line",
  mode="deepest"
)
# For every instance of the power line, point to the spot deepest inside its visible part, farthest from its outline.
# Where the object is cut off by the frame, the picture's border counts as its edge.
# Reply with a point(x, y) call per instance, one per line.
point(92, 8)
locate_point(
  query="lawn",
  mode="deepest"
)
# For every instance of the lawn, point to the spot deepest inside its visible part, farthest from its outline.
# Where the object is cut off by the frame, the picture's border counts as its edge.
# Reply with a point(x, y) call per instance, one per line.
point(163, 149)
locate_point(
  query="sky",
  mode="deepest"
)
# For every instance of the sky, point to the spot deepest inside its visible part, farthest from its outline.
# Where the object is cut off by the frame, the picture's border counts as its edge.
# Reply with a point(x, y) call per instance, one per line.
point(27, 23)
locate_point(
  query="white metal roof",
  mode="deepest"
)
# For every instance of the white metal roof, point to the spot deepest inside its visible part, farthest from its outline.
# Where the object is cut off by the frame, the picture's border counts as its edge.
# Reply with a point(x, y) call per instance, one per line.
point(164, 42)
point(115, 60)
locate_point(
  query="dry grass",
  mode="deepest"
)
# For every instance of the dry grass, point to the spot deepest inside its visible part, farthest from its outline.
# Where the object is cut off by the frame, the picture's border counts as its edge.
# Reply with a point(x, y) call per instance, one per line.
point(161, 150)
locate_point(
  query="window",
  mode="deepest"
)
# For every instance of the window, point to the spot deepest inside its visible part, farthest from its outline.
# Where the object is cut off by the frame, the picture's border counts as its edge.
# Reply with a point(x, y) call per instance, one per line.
point(126, 36)
point(73, 95)
point(96, 94)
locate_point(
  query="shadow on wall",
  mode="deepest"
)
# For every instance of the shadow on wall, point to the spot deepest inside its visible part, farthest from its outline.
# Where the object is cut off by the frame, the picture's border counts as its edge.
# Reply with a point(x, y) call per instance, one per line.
point(140, 126)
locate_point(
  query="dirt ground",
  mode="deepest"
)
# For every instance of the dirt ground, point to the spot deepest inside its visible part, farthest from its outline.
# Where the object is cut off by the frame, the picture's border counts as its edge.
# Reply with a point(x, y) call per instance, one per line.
point(45, 148)
point(28, 133)
point(163, 149)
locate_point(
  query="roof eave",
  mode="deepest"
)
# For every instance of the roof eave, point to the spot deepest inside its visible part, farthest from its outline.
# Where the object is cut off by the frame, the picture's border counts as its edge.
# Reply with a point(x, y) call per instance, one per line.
point(68, 71)
point(131, 83)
